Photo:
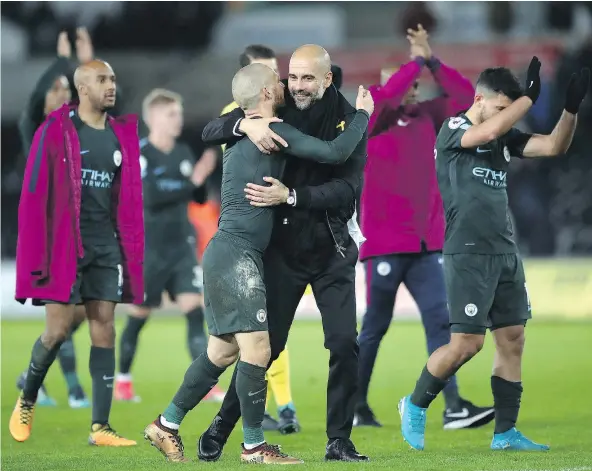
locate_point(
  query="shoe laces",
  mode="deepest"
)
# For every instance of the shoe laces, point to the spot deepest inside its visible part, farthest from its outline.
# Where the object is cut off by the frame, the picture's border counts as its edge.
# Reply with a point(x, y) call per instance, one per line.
point(177, 442)
point(107, 430)
point(273, 450)
point(26, 412)
point(417, 421)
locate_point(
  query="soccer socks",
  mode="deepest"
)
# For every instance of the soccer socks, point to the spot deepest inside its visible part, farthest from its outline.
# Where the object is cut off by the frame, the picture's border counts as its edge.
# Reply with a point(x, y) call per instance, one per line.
point(451, 395)
point(251, 389)
point(201, 376)
point(102, 372)
point(129, 341)
point(278, 376)
point(426, 389)
point(67, 359)
point(506, 402)
point(196, 336)
point(41, 359)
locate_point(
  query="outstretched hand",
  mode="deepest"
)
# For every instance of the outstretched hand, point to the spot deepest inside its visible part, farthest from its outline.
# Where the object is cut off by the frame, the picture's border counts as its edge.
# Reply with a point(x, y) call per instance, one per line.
point(579, 84)
point(84, 47)
point(418, 39)
point(64, 46)
point(533, 80)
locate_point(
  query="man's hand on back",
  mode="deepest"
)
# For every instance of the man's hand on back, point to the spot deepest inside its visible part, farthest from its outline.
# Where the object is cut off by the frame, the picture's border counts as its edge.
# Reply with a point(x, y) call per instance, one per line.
point(257, 130)
point(272, 195)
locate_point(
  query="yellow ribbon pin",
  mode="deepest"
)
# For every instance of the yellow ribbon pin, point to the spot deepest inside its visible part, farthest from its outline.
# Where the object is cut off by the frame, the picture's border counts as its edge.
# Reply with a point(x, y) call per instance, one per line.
point(341, 125)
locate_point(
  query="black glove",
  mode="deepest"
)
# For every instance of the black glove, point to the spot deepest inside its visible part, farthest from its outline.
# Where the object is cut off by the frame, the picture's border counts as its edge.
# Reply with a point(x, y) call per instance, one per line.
point(533, 80)
point(576, 91)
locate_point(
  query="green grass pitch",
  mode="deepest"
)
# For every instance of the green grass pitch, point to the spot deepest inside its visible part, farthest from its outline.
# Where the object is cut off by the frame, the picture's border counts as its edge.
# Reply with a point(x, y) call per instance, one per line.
point(556, 404)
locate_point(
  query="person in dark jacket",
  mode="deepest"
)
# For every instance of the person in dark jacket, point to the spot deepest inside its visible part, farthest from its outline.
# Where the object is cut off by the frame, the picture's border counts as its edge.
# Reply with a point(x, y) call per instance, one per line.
point(310, 243)
point(53, 89)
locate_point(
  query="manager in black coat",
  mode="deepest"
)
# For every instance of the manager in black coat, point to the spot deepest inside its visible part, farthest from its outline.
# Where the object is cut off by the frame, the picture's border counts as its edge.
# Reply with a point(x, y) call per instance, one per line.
point(311, 242)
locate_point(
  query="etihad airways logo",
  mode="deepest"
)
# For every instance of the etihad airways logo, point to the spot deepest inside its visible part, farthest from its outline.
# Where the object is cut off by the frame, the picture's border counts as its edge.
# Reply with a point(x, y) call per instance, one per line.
point(96, 178)
point(490, 177)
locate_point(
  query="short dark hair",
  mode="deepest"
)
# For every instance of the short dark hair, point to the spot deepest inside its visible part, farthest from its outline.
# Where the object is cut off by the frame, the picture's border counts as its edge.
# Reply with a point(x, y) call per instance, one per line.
point(500, 80)
point(255, 51)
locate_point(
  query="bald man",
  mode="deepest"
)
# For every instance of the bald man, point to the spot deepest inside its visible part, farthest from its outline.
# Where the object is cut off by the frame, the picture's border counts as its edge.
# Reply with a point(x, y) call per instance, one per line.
point(311, 242)
point(235, 292)
point(81, 238)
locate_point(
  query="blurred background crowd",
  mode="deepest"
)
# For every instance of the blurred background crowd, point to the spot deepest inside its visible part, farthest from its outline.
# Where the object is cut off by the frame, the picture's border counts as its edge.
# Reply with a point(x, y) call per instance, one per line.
point(193, 47)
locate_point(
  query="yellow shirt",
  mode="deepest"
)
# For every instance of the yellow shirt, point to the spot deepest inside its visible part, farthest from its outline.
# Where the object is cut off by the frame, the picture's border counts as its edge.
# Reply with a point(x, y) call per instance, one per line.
point(227, 109)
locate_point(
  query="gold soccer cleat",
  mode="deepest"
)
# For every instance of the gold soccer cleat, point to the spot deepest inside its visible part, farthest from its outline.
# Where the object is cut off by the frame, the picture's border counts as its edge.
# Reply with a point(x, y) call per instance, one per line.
point(104, 435)
point(267, 454)
point(21, 420)
point(169, 444)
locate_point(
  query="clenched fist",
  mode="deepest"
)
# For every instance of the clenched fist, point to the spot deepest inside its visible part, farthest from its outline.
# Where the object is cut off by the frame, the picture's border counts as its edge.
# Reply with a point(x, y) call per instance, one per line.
point(364, 100)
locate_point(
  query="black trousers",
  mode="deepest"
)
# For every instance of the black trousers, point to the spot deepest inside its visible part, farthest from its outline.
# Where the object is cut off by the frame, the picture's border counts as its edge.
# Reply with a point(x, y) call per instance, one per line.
point(334, 290)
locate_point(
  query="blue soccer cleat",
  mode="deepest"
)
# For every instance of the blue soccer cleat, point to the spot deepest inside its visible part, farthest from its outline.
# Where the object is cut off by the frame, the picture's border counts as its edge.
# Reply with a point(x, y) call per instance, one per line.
point(413, 422)
point(514, 440)
point(77, 399)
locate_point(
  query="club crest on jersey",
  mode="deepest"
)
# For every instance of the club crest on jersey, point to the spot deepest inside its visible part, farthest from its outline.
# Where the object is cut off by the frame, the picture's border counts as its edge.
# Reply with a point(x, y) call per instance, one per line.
point(186, 168)
point(117, 157)
point(261, 315)
point(507, 153)
point(471, 310)
point(455, 123)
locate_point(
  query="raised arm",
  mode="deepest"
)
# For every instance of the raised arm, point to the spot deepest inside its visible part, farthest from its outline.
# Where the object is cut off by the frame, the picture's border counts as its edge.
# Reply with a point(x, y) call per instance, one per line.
point(457, 92)
point(333, 152)
point(559, 140)
point(390, 95)
point(502, 122)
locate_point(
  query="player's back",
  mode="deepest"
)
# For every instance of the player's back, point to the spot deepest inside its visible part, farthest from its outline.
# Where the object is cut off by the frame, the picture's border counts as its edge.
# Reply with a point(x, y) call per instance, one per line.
point(243, 163)
point(473, 185)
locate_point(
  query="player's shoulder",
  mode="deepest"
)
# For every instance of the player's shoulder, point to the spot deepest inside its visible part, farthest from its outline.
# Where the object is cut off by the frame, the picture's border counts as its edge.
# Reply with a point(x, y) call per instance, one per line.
point(228, 108)
point(451, 128)
point(454, 123)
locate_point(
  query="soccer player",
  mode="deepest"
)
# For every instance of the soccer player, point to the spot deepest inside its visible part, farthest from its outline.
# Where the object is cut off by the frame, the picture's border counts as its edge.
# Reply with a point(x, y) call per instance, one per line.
point(171, 180)
point(235, 293)
point(81, 238)
point(314, 242)
point(484, 276)
point(278, 375)
point(52, 90)
point(403, 219)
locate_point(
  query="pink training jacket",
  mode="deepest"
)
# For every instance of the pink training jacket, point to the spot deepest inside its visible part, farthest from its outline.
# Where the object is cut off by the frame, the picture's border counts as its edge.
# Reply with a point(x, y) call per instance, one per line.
point(49, 242)
point(401, 206)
